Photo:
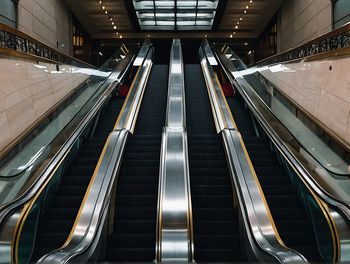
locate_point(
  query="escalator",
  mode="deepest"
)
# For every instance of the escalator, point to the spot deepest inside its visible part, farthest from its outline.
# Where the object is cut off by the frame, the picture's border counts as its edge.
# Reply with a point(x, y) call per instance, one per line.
point(134, 229)
point(56, 222)
point(290, 216)
point(215, 219)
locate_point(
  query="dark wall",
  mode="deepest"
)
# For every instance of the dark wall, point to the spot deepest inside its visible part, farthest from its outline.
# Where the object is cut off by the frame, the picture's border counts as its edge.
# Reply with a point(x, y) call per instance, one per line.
point(190, 49)
point(162, 50)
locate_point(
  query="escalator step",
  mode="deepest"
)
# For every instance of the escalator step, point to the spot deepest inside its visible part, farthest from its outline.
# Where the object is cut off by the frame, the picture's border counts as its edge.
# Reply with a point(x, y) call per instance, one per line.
point(127, 213)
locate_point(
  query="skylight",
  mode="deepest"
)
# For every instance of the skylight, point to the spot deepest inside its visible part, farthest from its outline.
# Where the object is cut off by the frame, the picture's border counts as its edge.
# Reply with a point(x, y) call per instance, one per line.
point(175, 14)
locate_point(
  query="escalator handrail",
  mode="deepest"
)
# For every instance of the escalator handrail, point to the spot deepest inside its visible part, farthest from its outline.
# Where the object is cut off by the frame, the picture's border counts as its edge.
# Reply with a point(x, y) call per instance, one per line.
point(25, 202)
point(64, 149)
point(86, 232)
point(280, 142)
point(174, 241)
point(262, 234)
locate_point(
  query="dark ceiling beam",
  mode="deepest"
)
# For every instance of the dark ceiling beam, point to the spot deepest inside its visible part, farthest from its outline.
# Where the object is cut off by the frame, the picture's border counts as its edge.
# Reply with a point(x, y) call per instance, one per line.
point(132, 14)
point(219, 14)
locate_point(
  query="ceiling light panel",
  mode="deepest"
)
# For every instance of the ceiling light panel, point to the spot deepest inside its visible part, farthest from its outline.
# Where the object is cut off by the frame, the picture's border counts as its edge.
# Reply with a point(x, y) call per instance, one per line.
point(176, 14)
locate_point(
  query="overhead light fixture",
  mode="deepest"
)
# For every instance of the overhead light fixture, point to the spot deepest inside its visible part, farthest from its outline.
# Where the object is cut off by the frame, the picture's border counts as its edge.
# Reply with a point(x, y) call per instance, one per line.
point(100, 2)
point(106, 12)
point(100, 53)
point(115, 27)
point(103, 7)
point(231, 36)
point(117, 33)
point(245, 11)
point(237, 22)
point(245, 43)
point(111, 19)
point(250, 52)
point(236, 27)
point(251, 1)
point(121, 36)
point(241, 18)
point(205, 36)
point(112, 23)
point(246, 7)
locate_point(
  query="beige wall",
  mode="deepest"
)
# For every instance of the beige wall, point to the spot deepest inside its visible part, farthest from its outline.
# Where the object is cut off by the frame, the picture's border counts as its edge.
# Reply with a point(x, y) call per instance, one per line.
point(28, 91)
point(302, 20)
point(323, 93)
point(48, 21)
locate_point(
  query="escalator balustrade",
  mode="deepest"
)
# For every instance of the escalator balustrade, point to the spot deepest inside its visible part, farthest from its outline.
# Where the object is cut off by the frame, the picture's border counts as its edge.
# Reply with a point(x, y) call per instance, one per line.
point(134, 230)
point(57, 221)
point(215, 220)
point(291, 218)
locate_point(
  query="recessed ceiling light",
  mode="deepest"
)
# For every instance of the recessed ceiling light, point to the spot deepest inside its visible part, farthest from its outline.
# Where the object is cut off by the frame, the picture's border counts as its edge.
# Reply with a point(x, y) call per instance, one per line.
point(106, 12)
point(120, 36)
point(251, 1)
point(246, 7)
point(103, 7)
point(205, 36)
point(237, 22)
point(236, 27)
point(241, 18)
point(100, 2)
point(245, 43)
point(245, 11)
point(117, 33)
point(115, 27)
point(111, 19)
point(112, 23)
point(231, 36)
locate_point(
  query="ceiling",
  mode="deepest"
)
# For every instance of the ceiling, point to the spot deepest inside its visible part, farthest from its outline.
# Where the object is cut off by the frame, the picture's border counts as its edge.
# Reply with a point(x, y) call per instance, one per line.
point(92, 16)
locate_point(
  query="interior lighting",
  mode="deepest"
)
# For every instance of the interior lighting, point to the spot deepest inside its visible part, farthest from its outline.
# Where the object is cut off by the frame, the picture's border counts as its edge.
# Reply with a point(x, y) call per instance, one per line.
point(231, 36)
point(115, 27)
point(103, 7)
point(236, 27)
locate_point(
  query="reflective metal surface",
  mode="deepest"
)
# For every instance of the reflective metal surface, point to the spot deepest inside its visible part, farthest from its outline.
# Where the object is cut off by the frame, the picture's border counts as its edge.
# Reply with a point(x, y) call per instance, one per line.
point(86, 232)
point(261, 235)
point(256, 216)
point(131, 107)
point(92, 214)
point(221, 112)
point(9, 240)
point(337, 211)
point(174, 225)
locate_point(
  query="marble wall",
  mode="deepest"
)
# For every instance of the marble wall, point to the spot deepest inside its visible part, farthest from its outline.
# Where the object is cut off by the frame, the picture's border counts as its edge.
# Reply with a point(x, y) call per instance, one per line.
point(28, 90)
point(322, 88)
point(48, 21)
point(302, 20)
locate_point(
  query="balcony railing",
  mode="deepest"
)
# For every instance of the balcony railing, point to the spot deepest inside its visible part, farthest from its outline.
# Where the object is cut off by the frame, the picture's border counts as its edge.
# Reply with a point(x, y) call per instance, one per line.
point(333, 41)
point(19, 44)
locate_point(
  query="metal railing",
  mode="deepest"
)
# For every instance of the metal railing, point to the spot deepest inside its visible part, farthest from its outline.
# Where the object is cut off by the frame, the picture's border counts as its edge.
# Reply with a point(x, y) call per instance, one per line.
point(334, 211)
point(261, 234)
point(87, 231)
point(13, 214)
point(174, 219)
